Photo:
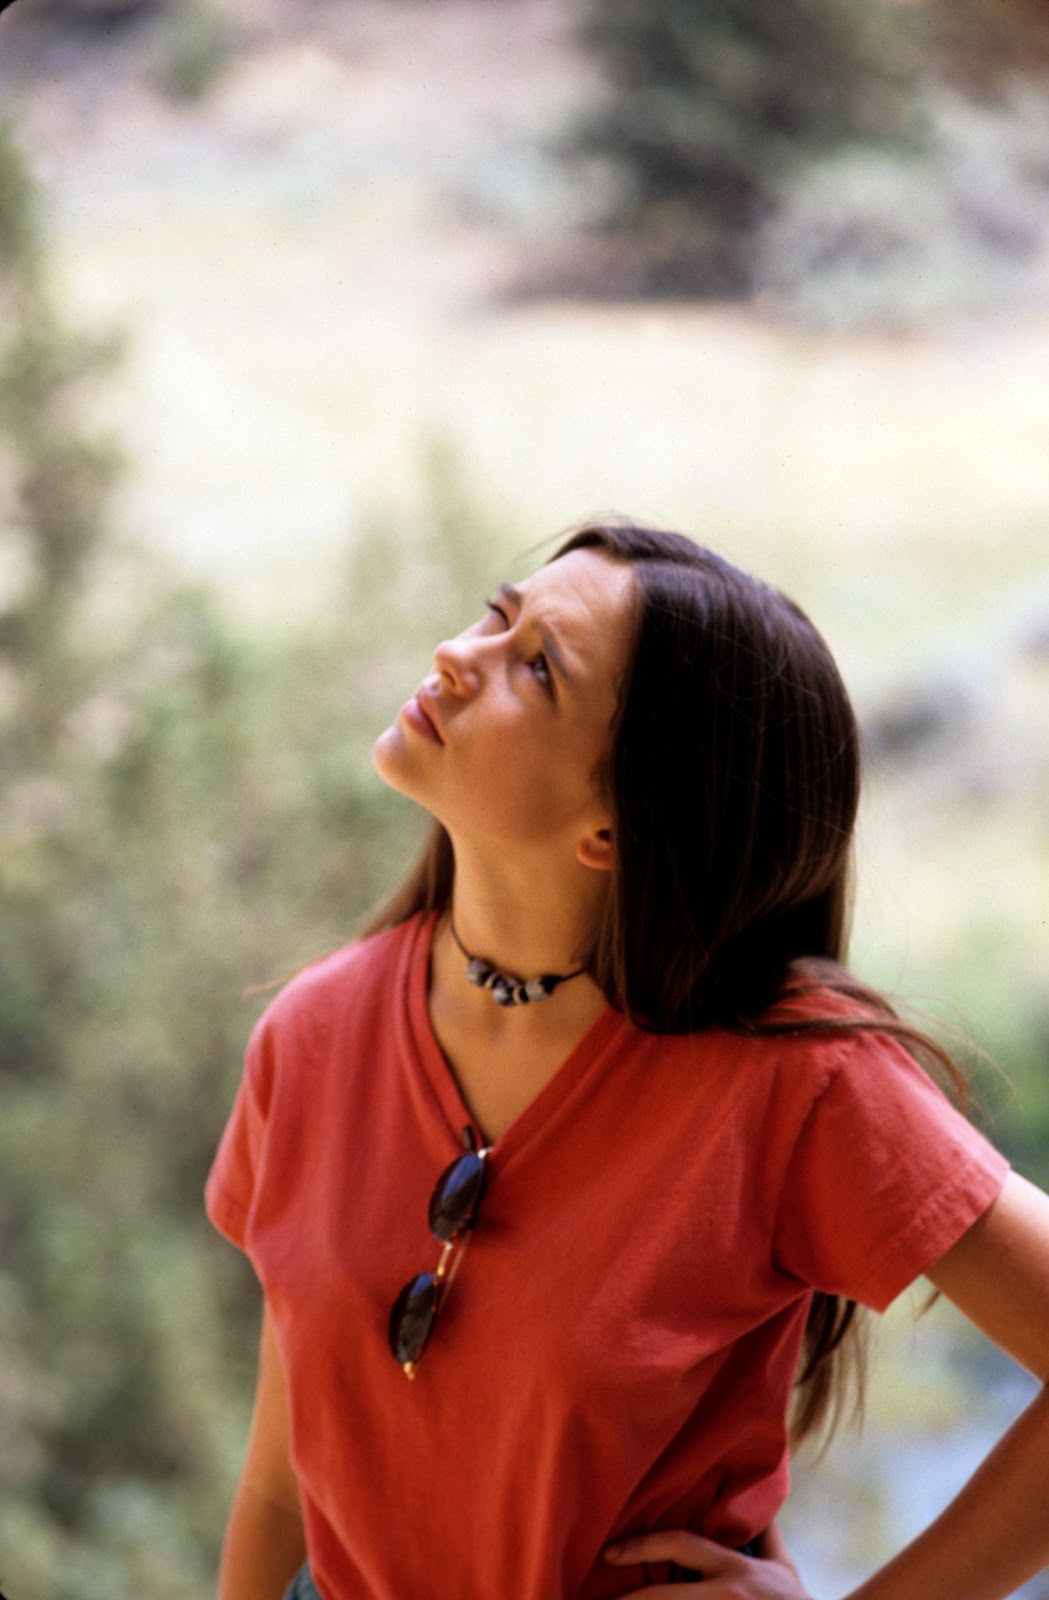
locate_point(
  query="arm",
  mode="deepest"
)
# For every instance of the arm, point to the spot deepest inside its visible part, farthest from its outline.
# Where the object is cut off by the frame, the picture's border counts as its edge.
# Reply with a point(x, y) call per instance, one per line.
point(264, 1544)
point(995, 1534)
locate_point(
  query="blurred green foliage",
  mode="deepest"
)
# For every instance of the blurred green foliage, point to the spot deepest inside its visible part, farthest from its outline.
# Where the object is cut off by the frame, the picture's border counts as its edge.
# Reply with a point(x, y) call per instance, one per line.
point(711, 104)
point(857, 165)
point(195, 45)
point(905, 237)
point(185, 811)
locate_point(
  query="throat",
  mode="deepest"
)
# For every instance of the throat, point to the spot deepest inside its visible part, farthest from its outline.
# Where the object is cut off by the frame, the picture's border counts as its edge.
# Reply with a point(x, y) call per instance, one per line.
point(502, 1059)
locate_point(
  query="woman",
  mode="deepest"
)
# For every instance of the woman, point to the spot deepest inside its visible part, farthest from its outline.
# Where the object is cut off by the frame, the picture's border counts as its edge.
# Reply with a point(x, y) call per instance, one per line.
point(606, 1014)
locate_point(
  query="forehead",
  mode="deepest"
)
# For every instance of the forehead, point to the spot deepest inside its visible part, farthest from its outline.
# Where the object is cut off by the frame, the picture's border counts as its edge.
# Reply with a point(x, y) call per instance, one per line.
point(581, 587)
point(588, 600)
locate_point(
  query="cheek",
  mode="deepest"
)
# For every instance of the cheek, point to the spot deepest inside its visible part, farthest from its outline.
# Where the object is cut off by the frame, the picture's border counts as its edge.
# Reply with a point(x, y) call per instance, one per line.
point(533, 792)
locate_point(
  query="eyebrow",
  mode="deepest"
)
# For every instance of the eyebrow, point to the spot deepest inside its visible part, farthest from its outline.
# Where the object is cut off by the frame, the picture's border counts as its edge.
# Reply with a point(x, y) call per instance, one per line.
point(547, 639)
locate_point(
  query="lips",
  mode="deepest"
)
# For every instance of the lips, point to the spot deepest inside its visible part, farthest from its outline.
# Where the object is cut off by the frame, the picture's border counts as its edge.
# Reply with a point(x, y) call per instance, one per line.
point(420, 714)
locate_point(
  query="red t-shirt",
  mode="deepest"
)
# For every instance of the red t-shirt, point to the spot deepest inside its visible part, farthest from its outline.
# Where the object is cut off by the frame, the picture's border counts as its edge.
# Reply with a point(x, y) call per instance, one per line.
point(616, 1353)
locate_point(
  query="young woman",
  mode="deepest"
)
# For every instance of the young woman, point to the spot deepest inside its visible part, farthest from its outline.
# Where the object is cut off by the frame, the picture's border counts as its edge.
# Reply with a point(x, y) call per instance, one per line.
point(603, 1037)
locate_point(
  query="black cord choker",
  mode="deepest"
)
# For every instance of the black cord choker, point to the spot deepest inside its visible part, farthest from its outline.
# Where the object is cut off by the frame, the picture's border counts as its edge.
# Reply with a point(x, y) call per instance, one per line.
point(505, 989)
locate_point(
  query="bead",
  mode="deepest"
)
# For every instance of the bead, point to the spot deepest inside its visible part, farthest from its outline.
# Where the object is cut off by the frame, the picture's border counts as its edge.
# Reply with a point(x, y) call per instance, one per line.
point(505, 989)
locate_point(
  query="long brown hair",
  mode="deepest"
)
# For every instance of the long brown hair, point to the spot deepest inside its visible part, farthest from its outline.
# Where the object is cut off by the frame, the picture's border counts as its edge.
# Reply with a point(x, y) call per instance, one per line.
point(734, 779)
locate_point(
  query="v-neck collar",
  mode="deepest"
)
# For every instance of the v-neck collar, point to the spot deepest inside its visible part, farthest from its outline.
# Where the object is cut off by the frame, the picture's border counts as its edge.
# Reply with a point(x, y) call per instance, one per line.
point(554, 1099)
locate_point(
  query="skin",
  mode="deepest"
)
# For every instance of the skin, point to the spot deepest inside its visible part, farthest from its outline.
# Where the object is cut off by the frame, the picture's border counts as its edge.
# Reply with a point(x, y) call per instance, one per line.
point(504, 752)
point(265, 1544)
point(514, 784)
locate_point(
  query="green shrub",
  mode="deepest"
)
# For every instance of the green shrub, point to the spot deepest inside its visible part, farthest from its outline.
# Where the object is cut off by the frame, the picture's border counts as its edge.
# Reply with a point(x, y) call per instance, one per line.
point(814, 154)
point(710, 105)
point(195, 45)
point(896, 239)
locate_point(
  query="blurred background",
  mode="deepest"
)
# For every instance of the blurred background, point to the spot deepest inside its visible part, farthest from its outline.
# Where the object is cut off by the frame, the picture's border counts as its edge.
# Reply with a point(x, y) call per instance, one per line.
point(315, 319)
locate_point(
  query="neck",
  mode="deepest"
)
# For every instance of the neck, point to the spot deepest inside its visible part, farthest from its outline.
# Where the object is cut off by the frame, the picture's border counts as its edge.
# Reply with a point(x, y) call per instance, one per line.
point(523, 923)
point(509, 988)
point(525, 918)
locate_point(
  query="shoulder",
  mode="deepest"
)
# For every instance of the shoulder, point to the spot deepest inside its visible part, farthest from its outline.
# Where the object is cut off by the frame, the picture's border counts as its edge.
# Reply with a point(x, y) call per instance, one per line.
point(834, 1043)
point(869, 1068)
point(771, 1073)
point(819, 991)
point(346, 982)
point(850, 1037)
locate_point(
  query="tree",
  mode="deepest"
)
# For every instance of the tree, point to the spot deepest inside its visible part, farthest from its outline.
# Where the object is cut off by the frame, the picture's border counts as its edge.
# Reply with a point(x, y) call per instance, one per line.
point(185, 810)
point(54, 479)
point(712, 103)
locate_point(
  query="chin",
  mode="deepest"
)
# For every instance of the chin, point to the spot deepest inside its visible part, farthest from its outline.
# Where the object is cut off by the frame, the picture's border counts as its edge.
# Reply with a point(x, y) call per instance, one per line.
point(384, 755)
point(389, 761)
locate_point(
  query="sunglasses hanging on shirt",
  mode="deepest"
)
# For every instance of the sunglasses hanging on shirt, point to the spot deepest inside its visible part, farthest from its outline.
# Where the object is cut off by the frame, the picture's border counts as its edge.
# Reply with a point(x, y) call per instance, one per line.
point(454, 1205)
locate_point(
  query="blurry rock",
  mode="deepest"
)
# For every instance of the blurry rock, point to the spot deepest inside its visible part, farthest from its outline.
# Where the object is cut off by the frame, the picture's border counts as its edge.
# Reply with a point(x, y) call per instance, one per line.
point(1034, 632)
point(918, 717)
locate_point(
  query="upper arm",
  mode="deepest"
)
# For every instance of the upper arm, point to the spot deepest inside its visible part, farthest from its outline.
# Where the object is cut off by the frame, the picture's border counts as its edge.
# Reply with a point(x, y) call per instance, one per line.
point(267, 1465)
point(998, 1274)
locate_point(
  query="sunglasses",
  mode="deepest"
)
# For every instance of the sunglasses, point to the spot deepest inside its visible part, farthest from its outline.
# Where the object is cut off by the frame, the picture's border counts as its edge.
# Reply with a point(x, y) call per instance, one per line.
point(454, 1204)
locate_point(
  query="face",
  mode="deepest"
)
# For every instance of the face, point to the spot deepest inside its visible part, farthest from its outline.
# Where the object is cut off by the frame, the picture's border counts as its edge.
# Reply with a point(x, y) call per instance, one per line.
point(502, 741)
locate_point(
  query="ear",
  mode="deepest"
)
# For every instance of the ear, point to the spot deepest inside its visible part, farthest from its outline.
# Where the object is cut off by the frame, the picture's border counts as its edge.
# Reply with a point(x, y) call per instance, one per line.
point(597, 850)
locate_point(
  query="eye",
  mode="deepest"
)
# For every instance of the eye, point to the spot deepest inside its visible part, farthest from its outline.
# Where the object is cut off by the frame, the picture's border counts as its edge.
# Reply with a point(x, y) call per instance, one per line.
point(538, 665)
point(541, 668)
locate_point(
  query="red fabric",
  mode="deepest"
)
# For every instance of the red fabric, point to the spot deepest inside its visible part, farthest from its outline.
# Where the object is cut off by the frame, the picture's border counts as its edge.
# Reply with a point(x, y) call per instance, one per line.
point(616, 1352)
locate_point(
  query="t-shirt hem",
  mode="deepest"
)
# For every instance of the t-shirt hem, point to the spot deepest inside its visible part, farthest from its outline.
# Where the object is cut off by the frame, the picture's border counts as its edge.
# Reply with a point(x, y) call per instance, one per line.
point(935, 1228)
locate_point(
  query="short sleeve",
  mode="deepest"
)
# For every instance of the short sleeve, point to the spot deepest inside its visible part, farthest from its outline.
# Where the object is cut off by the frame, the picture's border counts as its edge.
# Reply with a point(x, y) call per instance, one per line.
point(233, 1178)
point(885, 1176)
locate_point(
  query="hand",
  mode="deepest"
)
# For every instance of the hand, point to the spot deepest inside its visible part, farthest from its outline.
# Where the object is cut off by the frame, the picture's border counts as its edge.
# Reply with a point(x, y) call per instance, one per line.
point(726, 1575)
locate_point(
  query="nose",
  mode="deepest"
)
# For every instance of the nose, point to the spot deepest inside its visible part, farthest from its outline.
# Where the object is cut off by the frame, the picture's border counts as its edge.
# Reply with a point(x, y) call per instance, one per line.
point(455, 662)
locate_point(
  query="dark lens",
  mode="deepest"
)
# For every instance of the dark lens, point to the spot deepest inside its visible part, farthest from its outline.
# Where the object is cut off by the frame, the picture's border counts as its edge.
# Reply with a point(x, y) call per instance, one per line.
point(412, 1317)
point(454, 1202)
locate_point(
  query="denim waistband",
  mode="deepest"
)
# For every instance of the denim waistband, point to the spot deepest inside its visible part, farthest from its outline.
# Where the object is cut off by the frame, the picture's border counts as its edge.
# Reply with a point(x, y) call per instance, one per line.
point(302, 1586)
